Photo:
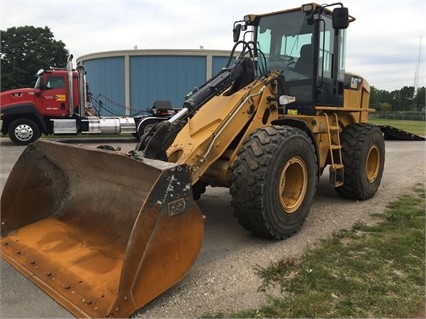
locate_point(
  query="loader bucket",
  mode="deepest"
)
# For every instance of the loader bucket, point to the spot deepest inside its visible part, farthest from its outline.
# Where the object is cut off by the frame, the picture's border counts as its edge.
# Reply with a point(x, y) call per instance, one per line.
point(101, 232)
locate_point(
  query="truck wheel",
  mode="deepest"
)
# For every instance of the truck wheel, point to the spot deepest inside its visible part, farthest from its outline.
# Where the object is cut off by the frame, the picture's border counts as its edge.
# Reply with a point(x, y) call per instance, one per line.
point(274, 181)
point(23, 131)
point(363, 152)
point(145, 126)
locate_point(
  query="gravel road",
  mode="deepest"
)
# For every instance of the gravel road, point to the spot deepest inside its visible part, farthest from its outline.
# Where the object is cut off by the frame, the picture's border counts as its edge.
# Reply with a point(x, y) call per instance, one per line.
point(223, 278)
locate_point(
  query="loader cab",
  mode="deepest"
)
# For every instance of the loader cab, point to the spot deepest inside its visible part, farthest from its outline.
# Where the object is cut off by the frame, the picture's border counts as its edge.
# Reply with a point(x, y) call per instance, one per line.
point(309, 50)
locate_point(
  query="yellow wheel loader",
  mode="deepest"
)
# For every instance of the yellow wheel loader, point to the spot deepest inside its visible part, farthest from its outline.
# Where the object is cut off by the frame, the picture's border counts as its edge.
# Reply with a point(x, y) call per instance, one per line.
point(104, 233)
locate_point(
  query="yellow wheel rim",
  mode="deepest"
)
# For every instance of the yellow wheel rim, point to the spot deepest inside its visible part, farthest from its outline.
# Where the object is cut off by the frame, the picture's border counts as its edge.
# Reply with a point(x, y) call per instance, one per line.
point(373, 163)
point(293, 183)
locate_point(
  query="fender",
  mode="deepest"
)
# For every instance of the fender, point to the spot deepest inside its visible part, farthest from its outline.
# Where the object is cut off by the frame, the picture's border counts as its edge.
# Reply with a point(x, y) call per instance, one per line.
point(25, 108)
point(147, 120)
point(302, 125)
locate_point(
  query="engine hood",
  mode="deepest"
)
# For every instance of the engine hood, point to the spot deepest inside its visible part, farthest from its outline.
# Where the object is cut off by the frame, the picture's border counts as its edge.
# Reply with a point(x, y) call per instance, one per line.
point(17, 96)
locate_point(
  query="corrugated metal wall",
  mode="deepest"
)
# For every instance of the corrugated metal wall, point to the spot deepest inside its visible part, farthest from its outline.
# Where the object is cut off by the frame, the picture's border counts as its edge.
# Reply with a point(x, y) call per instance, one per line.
point(127, 82)
point(167, 78)
point(106, 82)
point(218, 63)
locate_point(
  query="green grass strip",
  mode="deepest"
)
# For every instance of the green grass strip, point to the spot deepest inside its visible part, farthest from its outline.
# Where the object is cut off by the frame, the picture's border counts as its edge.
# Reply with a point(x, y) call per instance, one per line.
point(414, 127)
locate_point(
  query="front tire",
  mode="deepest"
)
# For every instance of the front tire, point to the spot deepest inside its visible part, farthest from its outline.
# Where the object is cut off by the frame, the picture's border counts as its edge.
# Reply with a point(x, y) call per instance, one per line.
point(363, 152)
point(274, 181)
point(23, 131)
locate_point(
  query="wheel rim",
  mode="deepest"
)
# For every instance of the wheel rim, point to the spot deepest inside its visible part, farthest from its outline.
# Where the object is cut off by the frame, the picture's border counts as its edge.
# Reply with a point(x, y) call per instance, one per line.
point(24, 132)
point(373, 163)
point(293, 184)
point(147, 128)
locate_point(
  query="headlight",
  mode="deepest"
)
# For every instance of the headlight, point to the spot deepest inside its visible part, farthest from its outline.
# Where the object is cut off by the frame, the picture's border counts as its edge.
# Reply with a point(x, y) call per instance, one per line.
point(286, 99)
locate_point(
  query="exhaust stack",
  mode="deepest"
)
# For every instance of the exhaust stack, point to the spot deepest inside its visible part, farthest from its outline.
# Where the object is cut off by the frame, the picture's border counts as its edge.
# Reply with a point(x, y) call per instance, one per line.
point(70, 85)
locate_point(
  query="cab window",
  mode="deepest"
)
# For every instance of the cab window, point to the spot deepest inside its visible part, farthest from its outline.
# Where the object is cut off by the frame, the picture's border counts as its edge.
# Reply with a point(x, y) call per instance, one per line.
point(55, 82)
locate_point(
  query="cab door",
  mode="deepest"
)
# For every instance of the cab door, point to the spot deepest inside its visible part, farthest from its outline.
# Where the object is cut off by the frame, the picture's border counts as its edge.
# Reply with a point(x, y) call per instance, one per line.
point(331, 64)
point(54, 95)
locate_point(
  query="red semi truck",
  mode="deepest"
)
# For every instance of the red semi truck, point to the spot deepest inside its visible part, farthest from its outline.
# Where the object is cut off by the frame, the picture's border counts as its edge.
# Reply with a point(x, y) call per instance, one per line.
point(59, 103)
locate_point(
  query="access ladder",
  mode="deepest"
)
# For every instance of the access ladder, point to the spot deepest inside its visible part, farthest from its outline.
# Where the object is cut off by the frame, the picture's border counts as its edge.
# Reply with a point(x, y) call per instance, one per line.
point(336, 167)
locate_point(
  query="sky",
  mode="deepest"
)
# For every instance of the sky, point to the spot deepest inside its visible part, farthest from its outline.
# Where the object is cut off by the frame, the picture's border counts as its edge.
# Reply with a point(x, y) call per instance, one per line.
point(386, 44)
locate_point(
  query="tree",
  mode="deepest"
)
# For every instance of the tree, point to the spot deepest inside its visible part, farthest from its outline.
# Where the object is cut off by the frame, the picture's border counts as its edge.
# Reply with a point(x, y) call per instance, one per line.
point(25, 50)
point(406, 97)
point(375, 98)
point(420, 99)
point(385, 107)
point(380, 99)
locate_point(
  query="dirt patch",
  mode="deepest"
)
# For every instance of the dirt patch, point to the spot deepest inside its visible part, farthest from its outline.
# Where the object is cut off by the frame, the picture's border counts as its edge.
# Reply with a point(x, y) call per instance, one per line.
point(421, 313)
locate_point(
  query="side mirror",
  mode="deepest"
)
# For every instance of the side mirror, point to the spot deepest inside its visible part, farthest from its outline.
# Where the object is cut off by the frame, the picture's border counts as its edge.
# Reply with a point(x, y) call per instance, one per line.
point(236, 32)
point(340, 18)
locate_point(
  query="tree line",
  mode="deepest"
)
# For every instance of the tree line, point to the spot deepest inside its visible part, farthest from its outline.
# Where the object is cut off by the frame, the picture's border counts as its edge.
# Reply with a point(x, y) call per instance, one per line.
point(25, 50)
point(403, 100)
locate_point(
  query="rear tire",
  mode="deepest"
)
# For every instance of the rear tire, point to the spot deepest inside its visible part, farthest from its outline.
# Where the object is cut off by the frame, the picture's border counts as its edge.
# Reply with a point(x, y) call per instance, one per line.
point(274, 181)
point(23, 131)
point(145, 126)
point(363, 152)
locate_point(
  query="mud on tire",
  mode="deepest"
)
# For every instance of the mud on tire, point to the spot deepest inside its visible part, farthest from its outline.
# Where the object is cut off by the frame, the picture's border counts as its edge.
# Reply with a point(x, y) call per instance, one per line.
point(363, 152)
point(274, 181)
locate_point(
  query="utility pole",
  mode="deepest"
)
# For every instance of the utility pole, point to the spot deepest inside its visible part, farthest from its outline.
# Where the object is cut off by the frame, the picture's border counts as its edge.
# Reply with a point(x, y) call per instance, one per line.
point(416, 74)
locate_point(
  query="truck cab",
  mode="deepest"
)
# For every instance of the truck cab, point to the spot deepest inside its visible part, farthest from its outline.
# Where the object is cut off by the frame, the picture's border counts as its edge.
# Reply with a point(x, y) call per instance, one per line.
point(52, 90)
point(27, 113)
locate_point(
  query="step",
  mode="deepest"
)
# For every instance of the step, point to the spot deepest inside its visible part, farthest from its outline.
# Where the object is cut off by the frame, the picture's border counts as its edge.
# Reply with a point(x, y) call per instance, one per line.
point(334, 128)
point(336, 177)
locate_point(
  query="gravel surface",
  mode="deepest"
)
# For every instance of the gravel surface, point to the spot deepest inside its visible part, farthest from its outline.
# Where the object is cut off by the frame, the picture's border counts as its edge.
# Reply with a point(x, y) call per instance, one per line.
point(223, 277)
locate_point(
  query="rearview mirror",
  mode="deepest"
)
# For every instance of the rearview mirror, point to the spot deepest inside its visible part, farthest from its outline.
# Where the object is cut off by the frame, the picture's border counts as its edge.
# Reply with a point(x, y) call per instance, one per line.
point(340, 18)
point(236, 32)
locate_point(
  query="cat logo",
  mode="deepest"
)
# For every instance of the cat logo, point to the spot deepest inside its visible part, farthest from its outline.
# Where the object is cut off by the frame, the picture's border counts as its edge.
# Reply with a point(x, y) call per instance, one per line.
point(60, 97)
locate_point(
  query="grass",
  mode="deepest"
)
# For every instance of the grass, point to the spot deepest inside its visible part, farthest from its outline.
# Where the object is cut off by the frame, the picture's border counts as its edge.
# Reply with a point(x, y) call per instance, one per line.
point(414, 127)
point(369, 271)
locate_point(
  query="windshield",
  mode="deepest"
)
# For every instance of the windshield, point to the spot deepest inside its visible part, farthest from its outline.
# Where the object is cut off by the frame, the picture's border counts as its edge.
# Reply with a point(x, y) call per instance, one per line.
point(281, 38)
point(39, 82)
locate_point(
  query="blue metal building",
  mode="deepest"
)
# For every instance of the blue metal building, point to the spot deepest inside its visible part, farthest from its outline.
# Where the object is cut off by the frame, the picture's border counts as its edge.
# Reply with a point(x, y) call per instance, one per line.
point(127, 82)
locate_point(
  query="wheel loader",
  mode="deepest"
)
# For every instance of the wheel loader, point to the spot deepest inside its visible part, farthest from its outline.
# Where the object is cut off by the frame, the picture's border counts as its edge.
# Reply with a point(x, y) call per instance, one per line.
point(104, 232)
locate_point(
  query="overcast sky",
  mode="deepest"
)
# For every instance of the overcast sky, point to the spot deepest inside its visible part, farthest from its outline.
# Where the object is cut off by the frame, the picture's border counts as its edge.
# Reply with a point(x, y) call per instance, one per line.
point(383, 43)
